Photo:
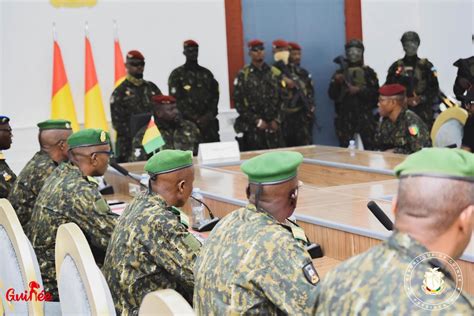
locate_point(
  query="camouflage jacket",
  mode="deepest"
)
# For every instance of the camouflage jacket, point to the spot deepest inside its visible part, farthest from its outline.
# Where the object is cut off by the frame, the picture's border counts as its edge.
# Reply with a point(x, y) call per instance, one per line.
point(28, 185)
point(407, 135)
point(466, 72)
point(306, 83)
point(386, 281)
point(183, 135)
point(197, 94)
point(251, 264)
point(7, 179)
point(132, 96)
point(68, 197)
point(150, 249)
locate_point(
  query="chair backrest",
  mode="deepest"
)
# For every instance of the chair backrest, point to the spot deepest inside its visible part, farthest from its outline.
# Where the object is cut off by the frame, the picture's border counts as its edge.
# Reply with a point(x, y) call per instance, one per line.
point(166, 303)
point(82, 287)
point(19, 266)
point(448, 127)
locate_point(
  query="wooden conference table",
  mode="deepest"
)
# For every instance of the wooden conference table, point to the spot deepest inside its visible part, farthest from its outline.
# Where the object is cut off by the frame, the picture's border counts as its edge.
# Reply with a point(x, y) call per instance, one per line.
point(331, 207)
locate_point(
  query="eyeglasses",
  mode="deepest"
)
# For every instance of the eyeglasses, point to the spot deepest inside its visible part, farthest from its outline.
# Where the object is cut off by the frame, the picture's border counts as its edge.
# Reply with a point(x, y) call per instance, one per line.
point(256, 49)
point(106, 152)
point(136, 63)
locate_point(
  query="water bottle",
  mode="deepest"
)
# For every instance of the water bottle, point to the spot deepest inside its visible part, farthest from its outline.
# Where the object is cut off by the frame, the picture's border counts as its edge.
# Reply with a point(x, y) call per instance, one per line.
point(352, 147)
point(197, 208)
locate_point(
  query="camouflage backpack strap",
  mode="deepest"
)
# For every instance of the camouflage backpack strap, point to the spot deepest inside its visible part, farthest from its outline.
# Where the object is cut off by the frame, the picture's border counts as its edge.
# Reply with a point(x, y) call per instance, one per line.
point(183, 218)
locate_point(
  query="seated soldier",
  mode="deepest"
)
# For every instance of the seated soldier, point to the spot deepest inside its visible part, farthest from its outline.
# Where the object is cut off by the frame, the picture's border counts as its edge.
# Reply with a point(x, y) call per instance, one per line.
point(177, 132)
point(52, 138)
point(400, 130)
point(413, 272)
point(151, 247)
point(71, 195)
point(8, 177)
point(254, 261)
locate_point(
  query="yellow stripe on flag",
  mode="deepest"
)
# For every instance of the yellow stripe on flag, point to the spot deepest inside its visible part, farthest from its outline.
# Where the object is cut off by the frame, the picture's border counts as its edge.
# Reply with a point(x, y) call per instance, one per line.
point(62, 106)
point(94, 109)
point(151, 133)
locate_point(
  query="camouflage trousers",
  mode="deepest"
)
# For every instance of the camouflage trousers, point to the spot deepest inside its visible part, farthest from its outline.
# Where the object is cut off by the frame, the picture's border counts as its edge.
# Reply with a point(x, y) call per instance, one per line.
point(297, 129)
point(256, 139)
point(210, 133)
point(347, 125)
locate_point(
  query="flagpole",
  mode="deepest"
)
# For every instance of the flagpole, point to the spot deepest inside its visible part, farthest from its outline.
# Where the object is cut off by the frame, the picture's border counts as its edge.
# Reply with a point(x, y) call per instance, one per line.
point(54, 32)
point(115, 30)
point(86, 29)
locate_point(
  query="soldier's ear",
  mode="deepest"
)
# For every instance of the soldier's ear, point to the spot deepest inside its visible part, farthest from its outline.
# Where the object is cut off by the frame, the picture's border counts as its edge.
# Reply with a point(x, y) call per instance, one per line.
point(181, 185)
point(395, 205)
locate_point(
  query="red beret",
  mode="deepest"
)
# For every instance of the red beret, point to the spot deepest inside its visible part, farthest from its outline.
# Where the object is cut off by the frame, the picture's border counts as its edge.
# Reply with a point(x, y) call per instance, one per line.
point(294, 46)
point(254, 43)
point(190, 43)
point(389, 90)
point(135, 54)
point(163, 99)
point(280, 44)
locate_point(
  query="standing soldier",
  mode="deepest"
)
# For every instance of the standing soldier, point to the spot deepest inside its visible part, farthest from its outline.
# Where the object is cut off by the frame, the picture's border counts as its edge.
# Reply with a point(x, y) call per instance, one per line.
point(7, 177)
point(419, 77)
point(400, 130)
point(52, 138)
point(354, 89)
point(132, 96)
point(177, 132)
point(151, 248)
point(197, 93)
point(465, 76)
point(71, 195)
point(257, 99)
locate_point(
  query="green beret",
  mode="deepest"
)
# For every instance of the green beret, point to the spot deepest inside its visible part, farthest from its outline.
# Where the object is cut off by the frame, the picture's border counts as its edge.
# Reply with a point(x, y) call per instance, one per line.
point(88, 137)
point(273, 167)
point(169, 160)
point(438, 162)
point(54, 124)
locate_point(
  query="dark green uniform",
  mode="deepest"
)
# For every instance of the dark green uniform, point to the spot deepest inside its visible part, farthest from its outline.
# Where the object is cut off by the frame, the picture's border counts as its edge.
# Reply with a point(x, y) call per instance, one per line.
point(407, 135)
point(182, 134)
point(7, 179)
point(252, 264)
point(68, 197)
point(132, 96)
point(197, 94)
point(257, 95)
point(376, 283)
point(355, 113)
point(150, 249)
point(297, 126)
point(28, 185)
point(465, 72)
point(419, 77)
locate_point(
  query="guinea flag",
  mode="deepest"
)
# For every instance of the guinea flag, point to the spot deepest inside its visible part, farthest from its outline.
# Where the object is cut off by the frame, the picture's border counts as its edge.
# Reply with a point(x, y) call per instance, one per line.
point(152, 140)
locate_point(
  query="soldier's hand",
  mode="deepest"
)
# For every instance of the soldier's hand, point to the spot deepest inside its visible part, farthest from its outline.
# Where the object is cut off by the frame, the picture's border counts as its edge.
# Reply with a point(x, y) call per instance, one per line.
point(353, 89)
point(261, 124)
point(414, 101)
point(339, 78)
point(274, 125)
point(289, 83)
point(310, 113)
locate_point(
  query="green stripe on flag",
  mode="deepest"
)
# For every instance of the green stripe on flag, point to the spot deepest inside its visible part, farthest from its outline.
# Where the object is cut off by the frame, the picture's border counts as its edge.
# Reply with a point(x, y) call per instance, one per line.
point(154, 144)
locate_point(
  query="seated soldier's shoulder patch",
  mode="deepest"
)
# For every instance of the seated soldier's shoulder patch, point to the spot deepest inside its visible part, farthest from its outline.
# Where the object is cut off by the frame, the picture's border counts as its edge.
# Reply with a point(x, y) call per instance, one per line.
point(310, 273)
point(413, 129)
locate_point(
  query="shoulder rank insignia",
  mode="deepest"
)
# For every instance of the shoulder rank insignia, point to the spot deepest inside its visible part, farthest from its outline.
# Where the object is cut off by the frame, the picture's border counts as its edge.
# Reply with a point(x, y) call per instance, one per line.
point(283, 83)
point(310, 274)
point(298, 233)
point(187, 87)
point(101, 206)
point(413, 130)
point(183, 218)
point(6, 176)
point(92, 180)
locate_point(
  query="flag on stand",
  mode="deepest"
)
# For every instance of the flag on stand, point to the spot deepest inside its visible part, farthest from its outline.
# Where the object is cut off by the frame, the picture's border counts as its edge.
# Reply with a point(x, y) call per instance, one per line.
point(152, 140)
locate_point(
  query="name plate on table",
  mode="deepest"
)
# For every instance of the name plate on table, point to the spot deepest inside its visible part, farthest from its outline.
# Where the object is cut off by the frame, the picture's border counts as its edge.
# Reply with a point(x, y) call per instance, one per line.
point(218, 152)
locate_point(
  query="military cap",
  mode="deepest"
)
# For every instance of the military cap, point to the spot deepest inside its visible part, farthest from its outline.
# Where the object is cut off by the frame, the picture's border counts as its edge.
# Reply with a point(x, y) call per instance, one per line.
point(354, 43)
point(4, 119)
point(135, 54)
point(389, 90)
point(169, 160)
point(280, 44)
point(190, 43)
point(54, 124)
point(294, 46)
point(163, 99)
point(88, 137)
point(254, 43)
point(410, 36)
point(273, 167)
point(438, 162)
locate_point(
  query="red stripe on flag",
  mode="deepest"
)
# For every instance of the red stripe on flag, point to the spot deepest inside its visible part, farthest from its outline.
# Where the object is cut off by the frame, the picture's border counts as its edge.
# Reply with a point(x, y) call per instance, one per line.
point(120, 71)
point(59, 73)
point(91, 76)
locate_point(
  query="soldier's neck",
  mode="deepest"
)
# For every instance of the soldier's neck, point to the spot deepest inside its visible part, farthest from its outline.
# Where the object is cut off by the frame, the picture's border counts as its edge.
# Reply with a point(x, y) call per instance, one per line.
point(395, 114)
point(257, 64)
point(134, 80)
point(191, 63)
point(410, 59)
point(356, 64)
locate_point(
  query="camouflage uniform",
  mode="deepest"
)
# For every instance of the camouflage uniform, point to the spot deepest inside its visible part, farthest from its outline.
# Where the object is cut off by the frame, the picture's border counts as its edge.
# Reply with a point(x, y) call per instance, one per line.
point(183, 135)
point(419, 78)
point(297, 126)
point(251, 264)
point(132, 96)
point(373, 283)
point(150, 249)
point(28, 185)
point(197, 94)
point(257, 95)
point(8, 179)
point(466, 72)
point(67, 196)
point(407, 135)
point(355, 113)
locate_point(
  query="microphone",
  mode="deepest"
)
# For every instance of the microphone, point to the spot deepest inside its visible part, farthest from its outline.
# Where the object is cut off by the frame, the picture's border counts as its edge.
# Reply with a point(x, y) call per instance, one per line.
point(210, 224)
point(125, 172)
point(380, 215)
